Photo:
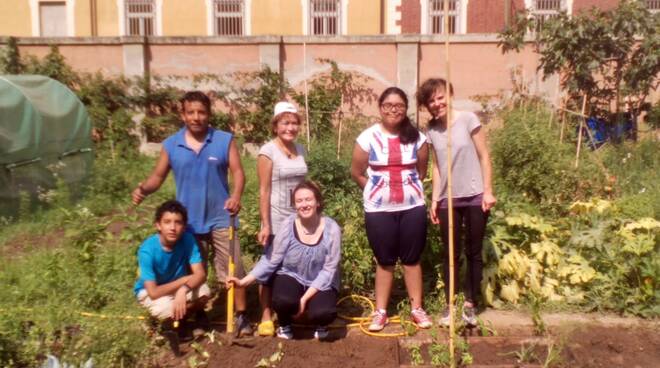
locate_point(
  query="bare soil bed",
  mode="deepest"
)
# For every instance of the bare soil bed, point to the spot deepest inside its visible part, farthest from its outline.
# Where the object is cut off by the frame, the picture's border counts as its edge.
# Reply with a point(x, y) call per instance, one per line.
point(581, 344)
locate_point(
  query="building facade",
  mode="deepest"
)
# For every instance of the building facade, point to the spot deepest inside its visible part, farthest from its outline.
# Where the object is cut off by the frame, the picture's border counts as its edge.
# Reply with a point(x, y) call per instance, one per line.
point(85, 18)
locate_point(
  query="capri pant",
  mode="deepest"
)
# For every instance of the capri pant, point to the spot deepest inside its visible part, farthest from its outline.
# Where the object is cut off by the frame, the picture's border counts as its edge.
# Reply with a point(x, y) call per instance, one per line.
point(399, 235)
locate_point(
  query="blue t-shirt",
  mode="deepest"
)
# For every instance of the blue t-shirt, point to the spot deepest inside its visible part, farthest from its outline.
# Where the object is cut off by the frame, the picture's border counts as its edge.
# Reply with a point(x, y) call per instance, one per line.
point(157, 264)
point(201, 178)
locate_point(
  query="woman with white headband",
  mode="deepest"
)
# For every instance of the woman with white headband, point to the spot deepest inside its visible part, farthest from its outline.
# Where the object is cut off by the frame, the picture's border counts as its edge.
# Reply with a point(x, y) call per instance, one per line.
point(280, 167)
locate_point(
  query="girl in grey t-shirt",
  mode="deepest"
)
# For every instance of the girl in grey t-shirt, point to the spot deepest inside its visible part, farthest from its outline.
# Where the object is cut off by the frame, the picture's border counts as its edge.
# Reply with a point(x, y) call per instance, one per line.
point(280, 167)
point(472, 189)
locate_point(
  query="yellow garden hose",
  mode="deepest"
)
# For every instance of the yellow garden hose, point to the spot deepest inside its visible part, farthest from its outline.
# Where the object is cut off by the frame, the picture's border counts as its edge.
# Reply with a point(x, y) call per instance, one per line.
point(355, 321)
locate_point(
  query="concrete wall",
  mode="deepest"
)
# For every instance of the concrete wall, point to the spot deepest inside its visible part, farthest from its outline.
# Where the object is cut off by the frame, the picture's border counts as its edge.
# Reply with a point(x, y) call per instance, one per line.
point(582, 5)
point(478, 66)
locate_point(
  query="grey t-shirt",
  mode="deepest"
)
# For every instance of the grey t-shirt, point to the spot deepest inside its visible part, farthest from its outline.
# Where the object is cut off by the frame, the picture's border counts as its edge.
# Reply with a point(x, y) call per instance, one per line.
point(467, 180)
point(287, 173)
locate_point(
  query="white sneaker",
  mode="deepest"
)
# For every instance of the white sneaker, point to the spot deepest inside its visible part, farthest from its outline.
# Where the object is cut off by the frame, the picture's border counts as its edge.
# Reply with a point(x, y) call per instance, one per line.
point(321, 333)
point(445, 319)
point(378, 321)
point(470, 316)
point(284, 332)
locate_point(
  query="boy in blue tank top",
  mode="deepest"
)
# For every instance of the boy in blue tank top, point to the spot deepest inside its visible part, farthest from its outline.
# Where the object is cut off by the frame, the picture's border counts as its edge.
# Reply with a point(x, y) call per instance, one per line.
point(201, 158)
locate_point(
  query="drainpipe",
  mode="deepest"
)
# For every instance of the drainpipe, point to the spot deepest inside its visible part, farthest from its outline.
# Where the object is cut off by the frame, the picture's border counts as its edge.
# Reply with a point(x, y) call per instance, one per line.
point(507, 13)
point(382, 16)
point(92, 17)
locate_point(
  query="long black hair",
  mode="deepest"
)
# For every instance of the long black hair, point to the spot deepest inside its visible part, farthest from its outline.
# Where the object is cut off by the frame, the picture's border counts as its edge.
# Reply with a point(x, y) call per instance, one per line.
point(408, 133)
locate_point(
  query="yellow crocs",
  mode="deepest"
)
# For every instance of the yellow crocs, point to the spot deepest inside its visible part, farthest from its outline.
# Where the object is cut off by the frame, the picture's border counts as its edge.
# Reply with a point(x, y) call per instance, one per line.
point(266, 328)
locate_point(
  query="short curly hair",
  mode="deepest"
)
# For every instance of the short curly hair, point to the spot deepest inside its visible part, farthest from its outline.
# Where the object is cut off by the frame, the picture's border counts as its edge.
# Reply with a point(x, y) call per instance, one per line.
point(171, 206)
point(428, 88)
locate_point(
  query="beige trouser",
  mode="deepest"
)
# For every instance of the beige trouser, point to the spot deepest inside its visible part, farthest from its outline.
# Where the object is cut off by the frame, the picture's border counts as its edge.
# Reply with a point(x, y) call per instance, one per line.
point(218, 240)
point(162, 307)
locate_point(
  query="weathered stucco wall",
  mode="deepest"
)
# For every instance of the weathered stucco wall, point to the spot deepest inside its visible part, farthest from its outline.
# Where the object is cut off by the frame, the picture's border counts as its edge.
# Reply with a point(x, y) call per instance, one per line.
point(477, 64)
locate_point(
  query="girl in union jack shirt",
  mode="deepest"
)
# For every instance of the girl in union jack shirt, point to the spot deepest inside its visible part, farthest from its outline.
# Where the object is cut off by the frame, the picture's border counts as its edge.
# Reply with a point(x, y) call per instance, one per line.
point(389, 163)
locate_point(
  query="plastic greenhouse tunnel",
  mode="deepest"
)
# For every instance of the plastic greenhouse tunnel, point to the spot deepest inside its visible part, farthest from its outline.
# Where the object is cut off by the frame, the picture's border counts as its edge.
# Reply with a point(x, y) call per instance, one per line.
point(45, 141)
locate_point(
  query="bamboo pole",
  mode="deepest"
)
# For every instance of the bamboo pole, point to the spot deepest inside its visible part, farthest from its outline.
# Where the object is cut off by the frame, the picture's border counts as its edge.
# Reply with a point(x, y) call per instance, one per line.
point(552, 111)
point(563, 119)
point(450, 200)
point(309, 146)
point(579, 142)
point(341, 119)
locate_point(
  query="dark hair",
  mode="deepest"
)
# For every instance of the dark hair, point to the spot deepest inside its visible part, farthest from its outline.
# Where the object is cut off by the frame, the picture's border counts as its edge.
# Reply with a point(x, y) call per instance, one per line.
point(428, 88)
point(276, 119)
point(310, 185)
point(171, 206)
point(408, 133)
point(197, 96)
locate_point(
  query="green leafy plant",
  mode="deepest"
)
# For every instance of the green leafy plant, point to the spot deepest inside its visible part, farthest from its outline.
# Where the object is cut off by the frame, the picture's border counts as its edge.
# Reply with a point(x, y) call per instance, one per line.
point(253, 100)
point(328, 93)
point(10, 58)
point(525, 355)
point(607, 55)
point(53, 65)
point(415, 352)
point(273, 360)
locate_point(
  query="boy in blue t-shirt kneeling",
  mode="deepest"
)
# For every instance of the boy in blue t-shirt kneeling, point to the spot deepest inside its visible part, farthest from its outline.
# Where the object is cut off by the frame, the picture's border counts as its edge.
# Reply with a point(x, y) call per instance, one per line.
point(171, 282)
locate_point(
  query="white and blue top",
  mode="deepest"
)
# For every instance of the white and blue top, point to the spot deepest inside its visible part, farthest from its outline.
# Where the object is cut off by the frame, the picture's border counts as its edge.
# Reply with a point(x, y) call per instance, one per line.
point(315, 266)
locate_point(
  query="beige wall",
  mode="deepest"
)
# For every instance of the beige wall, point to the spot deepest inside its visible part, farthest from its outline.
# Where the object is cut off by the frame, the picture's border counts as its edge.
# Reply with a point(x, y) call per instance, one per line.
point(276, 17)
point(364, 17)
point(184, 18)
point(188, 60)
point(83, 27)
point(15, 18)
point(105, 58)
point(107, 17)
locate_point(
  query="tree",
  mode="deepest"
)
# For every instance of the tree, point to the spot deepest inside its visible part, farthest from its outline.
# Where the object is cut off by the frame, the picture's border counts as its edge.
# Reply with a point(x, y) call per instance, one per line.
point(329, 92)
point(10, 60)
point(54, 65)
point(613, 57)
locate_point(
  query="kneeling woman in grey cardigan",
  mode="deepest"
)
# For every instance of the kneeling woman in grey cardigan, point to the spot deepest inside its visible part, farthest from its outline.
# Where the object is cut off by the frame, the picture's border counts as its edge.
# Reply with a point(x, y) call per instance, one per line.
point(303, 265)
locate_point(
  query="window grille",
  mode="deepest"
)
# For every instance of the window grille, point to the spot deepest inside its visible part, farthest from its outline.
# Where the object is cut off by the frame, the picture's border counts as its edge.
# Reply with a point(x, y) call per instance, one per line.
point(436, 16)
point(653, 5)
point(140, 17)
point(229, 15)
point(544, 10)
point(324, 17)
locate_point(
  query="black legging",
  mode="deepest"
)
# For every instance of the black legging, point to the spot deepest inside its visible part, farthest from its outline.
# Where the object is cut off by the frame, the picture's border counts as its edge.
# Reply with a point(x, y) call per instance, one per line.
point(321, 309)
point(474, 219)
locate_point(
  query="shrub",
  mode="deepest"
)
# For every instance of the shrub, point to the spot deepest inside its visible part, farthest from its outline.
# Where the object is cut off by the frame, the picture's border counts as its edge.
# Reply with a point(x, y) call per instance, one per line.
point(531, 165)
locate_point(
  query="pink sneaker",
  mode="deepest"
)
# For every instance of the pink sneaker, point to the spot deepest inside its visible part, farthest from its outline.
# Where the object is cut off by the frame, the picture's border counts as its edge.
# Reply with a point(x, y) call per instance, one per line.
point(378, 321)
point(421, 319)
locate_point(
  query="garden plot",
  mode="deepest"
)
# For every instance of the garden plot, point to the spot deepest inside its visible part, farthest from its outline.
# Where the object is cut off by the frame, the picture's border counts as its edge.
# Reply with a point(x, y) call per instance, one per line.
point(573, 340)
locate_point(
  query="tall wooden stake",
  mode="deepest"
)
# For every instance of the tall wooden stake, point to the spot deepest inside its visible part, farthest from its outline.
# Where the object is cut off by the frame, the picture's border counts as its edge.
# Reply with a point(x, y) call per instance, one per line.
point(556, 99)
point(309, 146)
point(563, 119)
point(450, 199)
point(579, 142)
point(341, 119)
